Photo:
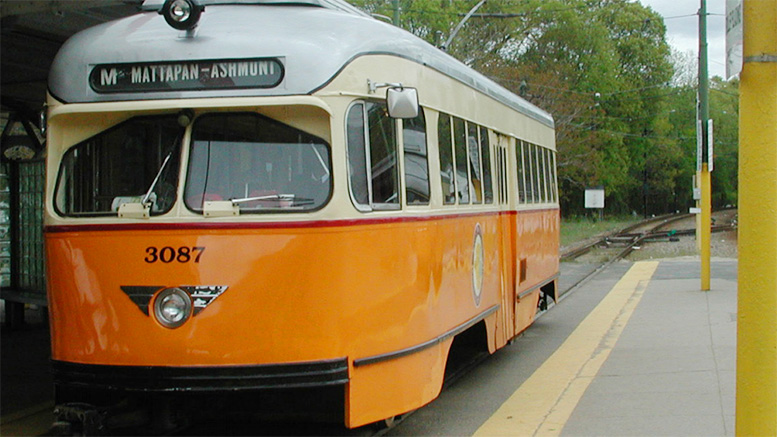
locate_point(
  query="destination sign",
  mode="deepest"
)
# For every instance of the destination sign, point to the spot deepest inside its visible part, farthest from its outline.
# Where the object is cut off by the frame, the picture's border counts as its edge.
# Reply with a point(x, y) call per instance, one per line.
point(187, 75)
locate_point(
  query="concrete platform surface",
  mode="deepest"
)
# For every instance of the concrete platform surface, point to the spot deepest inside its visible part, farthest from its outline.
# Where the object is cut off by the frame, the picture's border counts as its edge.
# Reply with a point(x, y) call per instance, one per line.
point(26, 383)
point(673, 369)
point(653, 356)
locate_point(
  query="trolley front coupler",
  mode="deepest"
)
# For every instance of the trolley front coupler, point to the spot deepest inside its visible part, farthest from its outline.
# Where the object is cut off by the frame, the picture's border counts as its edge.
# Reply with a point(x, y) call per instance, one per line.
point(82, 418)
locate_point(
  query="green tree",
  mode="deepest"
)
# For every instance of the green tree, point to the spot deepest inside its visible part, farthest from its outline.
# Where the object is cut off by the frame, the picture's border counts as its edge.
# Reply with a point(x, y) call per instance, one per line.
point(724, 110)
point(603, 69)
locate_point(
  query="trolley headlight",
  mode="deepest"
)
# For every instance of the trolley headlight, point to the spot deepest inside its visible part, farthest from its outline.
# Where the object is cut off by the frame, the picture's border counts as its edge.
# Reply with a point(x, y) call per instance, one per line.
point(181, 14)
point(172, 307)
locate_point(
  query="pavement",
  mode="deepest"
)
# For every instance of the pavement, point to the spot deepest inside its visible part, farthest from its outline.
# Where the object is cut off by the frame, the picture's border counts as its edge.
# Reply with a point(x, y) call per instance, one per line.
point(637, 349)
point(623, 354)
point(673, 369)
point(26, 383)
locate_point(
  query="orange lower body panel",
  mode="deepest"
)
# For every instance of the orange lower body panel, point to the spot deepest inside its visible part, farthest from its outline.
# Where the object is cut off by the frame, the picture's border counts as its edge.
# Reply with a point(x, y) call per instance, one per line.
point(273, 295)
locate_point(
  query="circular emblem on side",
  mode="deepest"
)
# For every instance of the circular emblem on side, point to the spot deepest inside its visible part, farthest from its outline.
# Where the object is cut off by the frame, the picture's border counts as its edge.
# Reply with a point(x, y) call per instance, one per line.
point(477, 265)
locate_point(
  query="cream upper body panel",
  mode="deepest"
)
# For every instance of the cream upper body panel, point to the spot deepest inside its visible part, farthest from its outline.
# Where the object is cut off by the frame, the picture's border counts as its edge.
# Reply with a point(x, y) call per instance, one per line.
point(110, 73)
point(142, 58)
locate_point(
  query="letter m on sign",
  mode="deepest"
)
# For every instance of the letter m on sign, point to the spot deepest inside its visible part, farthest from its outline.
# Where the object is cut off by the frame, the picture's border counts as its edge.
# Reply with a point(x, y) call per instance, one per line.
point(108, 77)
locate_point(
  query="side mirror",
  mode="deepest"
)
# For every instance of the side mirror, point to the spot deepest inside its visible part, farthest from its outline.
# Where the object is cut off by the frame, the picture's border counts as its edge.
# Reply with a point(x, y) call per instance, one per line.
point(402, 102)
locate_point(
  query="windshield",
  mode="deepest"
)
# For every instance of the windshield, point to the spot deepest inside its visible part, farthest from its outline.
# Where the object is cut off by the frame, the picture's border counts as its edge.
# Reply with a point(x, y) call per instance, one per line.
point(259, 164)
point(119, 166)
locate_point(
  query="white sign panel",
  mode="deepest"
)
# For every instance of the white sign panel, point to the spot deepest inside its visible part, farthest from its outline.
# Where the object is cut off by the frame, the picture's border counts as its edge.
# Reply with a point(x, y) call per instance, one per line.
point(733, 38)
point(594, 198)
point(700, 145)
point(710, 144)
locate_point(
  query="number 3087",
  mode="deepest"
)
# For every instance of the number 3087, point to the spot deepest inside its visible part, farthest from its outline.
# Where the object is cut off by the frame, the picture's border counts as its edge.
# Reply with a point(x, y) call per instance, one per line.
point(167, 254)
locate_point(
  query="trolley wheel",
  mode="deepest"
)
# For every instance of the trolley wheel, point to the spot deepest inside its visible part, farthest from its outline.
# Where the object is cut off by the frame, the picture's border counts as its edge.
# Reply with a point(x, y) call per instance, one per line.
point(381, 427)
point(61, 428)
point(389, 422)
point(542, 304)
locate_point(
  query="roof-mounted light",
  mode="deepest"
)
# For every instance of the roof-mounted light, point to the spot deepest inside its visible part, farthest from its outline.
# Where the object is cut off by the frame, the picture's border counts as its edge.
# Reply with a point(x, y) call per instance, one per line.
point(181, 14)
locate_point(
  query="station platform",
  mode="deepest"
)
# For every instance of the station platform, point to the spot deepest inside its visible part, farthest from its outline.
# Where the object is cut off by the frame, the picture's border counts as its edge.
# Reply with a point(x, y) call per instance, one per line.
point(636, 349)
point(26, 383)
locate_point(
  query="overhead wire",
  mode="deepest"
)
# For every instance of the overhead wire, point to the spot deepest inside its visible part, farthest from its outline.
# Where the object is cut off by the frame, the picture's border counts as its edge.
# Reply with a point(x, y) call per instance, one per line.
point(578, 126)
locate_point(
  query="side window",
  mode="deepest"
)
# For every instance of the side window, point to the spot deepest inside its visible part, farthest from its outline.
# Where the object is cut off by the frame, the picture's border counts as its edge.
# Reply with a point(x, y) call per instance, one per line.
point(501, 174)
point(357, 155)
point(546, 160)
point(485, 154)
point(416, 160)
point(462, 174)
point(536, 173)
point(539, 188)
point(499, 188)
point(383, 155)
point(520, 166)
point(475, 171)
point(447, 172)
point(372, 165)
point(528, 172)
point(553, 182)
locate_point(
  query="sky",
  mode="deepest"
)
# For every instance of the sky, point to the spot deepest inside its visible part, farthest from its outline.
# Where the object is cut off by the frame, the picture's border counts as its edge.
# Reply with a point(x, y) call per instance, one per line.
point(682, 29)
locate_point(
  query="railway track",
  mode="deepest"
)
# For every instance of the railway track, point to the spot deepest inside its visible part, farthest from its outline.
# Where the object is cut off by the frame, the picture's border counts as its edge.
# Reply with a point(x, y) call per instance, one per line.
point(643, 232)
point(627, 237)
point(618, 245)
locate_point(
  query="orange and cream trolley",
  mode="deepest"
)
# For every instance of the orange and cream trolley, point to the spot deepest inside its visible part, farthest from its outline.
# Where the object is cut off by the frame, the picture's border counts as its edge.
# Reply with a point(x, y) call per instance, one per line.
point(282, 208)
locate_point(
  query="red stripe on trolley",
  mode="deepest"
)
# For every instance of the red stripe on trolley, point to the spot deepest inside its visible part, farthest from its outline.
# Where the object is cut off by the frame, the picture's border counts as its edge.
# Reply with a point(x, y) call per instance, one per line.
point(185, 226)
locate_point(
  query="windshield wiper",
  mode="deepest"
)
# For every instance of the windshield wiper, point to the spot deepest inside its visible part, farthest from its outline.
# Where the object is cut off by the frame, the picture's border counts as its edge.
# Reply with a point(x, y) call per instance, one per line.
point(145, 200)
point(266, 197)
point(277, 197)
point(174, 147)
point(132, 207)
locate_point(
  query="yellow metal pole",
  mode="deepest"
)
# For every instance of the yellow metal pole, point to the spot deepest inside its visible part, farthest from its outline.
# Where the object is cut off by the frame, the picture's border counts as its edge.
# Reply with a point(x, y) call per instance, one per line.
point(704, 136)
point(697, 185)
point(756, 399)
point(705, 224)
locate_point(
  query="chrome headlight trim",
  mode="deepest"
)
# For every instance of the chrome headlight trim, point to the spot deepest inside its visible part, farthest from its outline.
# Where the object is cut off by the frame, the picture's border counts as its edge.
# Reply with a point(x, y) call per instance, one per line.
point(172, 307)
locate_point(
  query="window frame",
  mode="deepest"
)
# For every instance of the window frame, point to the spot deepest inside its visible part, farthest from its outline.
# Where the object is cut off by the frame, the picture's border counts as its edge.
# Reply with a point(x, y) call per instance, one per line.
point(459, 146)
point(490, 182)
point(530, 170)
point(520, 172)
point(184, 183)
point(371, 205)
point(474, 197)
point(107, 131)
point(406, 186)
point(484, 143)
point(537, 173)
point(453, 195)
point(554, 175)
point(541, 175)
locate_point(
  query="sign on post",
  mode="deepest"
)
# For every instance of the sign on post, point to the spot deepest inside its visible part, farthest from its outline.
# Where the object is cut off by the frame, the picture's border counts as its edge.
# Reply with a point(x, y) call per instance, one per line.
point(700, 144)
point(594, 199)
point(733, 38)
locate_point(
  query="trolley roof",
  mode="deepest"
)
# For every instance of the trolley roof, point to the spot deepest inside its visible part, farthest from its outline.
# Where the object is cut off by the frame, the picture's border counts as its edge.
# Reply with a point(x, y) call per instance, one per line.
point(312, 40)
point(338, 5)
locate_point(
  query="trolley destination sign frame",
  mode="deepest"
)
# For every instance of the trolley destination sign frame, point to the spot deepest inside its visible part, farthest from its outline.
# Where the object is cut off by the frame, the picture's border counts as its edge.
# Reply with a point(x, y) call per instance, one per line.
point(187, 75)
